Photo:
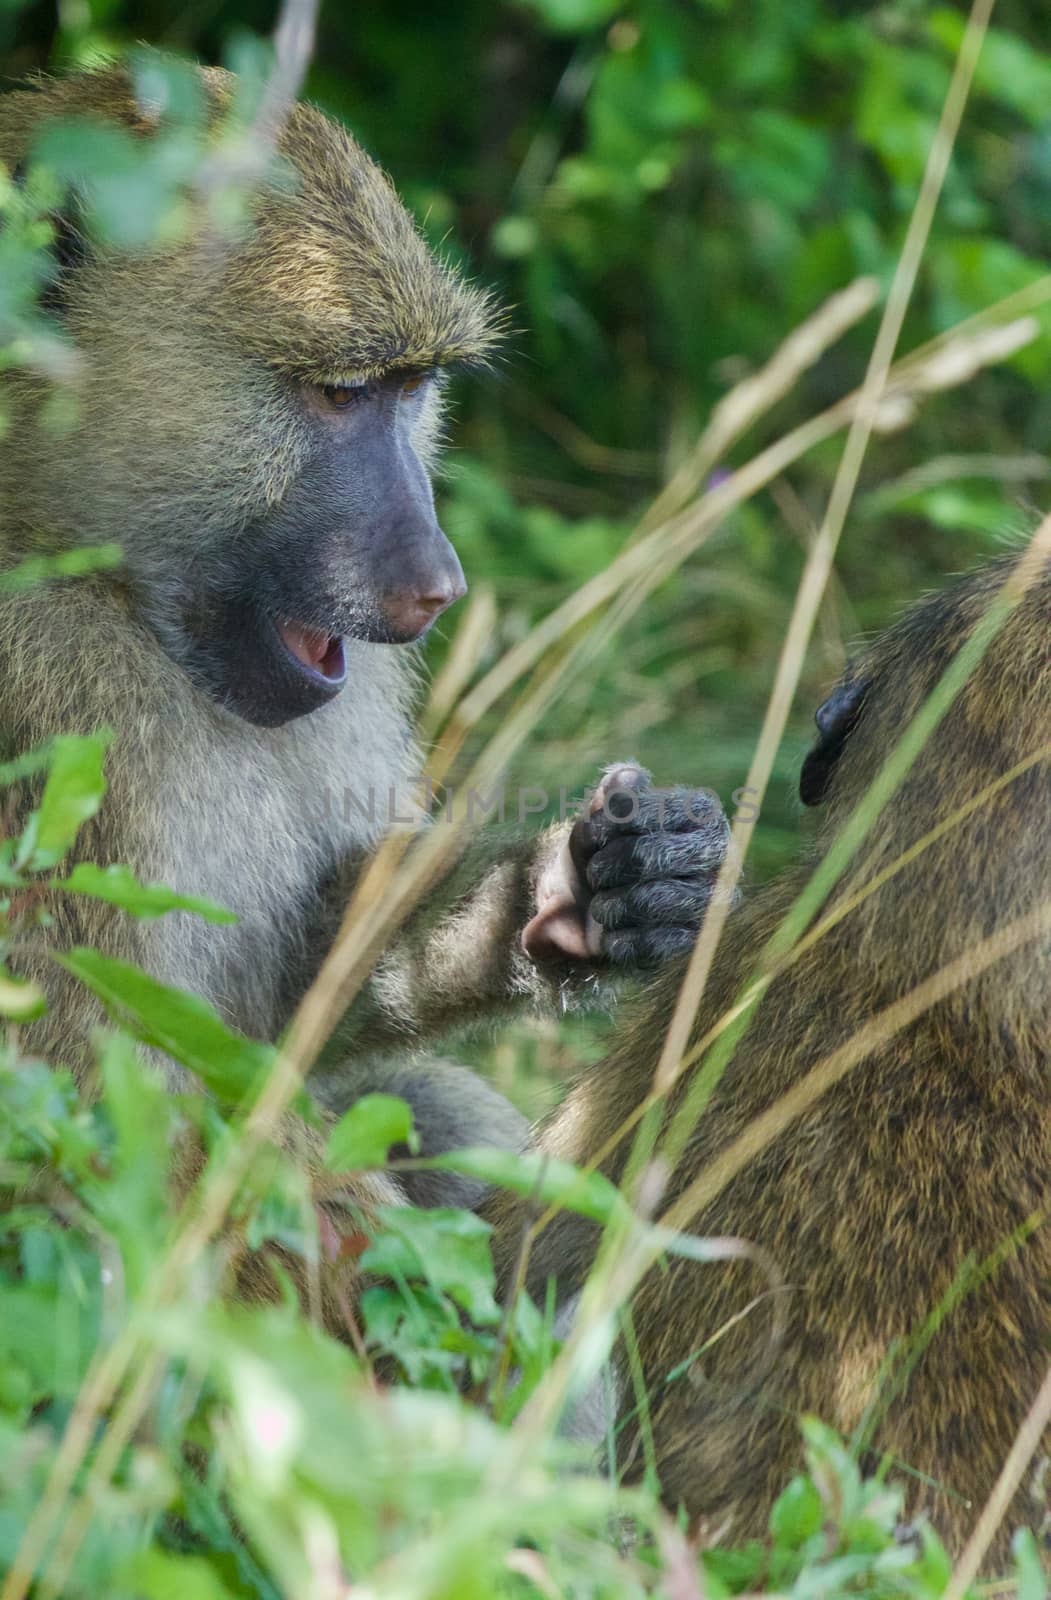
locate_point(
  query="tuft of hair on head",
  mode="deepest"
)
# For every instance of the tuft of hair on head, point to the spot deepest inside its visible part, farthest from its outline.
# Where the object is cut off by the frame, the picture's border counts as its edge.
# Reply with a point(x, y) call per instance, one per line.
point(335, 270)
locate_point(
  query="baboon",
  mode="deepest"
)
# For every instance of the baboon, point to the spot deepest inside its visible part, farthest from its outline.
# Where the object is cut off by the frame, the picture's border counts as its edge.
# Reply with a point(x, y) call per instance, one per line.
point(906, 1209)
point(254, 422)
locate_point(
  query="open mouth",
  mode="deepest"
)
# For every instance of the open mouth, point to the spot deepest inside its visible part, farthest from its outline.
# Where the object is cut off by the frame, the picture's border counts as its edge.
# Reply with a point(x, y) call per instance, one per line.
point(321, 655)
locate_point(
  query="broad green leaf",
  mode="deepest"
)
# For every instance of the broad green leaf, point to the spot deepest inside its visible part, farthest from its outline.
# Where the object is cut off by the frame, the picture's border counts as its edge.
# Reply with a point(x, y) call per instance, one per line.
point(414, 1329)
point(157, 1575)
point(20, 1001)
point(130, 188)
point(933, 1568)
point(135, 1097)
point(550, 1181)
point(72, 795)
point(27, 765)
point(445, 1248)
point(731, 1572)
point(1032, 1578)
point(119, 887)
point(184, 1026)
point(796, 1513)
point(1008, 69)
point(169, 86)
point(363, 1136)
point(50, 1326)
point(132, 1200)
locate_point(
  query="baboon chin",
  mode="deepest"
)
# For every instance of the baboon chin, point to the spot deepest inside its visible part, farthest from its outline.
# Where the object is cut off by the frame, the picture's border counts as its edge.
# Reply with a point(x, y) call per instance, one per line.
point(906, 1208)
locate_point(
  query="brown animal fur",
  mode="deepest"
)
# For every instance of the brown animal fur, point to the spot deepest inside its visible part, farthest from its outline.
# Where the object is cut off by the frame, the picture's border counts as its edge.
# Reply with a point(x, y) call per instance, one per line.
point(930, 1154)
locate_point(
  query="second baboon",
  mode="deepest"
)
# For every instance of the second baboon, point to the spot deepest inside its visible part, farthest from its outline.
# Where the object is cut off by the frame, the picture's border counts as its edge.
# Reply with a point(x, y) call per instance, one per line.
point(906, 1209)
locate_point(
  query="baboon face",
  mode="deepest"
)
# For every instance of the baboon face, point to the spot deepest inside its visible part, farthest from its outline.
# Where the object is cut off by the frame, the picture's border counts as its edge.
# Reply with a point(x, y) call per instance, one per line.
point(255, 416)
point(351, 550)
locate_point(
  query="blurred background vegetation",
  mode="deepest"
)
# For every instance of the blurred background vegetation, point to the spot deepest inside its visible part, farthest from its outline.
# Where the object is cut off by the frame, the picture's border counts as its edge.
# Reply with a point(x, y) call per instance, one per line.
point(660, 190)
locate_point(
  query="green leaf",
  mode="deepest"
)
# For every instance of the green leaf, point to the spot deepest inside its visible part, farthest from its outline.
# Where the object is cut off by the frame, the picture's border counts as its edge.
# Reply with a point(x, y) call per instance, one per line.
point(51, 1325)
point(363, 1136)
point(172, 88)
point(1032, 1579)
point(27, 765)
point(575, 16)
point(728, 1572)
point(447, 1249)
point(415, 1330)
point(796, 1513)
point(156, 1575)
point(131, 1201)
point(550, 1181)
point(119, 887)
point(130, 188)
point(72, 795)
point(969, 273)
point(1009, 70)
point(20, 1001)
point(184, 1026)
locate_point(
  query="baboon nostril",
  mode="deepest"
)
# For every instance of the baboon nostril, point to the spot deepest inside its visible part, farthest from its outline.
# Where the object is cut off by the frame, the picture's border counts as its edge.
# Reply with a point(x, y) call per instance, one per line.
point(409, 614)
point(436, 602)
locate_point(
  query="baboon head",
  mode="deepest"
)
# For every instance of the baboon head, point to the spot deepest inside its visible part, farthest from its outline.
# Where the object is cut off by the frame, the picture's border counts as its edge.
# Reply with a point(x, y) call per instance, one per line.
point(253, 417)
point(965, 841)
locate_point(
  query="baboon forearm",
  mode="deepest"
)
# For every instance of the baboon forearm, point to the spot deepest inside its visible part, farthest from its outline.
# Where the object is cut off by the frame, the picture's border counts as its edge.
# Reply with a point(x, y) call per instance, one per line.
point(545, 921)
point(459, 961)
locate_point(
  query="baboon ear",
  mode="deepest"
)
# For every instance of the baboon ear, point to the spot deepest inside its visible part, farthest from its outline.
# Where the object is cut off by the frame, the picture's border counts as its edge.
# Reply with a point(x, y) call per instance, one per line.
point(68, 249)
point(836, 718)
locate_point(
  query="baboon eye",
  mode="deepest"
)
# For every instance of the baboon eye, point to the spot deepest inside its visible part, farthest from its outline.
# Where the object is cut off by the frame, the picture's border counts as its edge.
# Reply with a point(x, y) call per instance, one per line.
point(414, 384)
point(342, 395)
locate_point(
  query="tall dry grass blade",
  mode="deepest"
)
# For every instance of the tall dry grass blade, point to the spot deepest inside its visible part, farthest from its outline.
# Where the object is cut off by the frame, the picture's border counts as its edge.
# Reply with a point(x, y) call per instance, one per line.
point(725, 1034)
point(672, 545)
point(469, 643)
point(1026, 1444)
point(114, 1441)
point(845, 908)
point(758, 393)
point(648, 561)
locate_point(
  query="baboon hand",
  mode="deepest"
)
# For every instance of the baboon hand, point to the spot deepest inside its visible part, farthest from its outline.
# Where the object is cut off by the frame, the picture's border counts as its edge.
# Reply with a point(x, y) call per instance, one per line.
point(631, 882)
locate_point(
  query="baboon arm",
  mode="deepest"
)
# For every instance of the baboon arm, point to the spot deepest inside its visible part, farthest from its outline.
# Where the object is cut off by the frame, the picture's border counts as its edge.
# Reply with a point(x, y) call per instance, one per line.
point(459, 960)
point(548, 921)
